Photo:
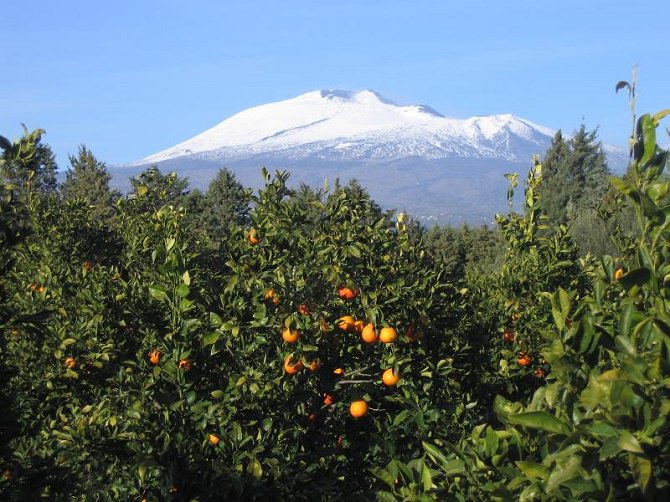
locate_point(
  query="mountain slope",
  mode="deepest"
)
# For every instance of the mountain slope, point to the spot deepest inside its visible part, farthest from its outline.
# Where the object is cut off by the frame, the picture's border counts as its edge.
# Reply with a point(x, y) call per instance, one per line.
point(409, 157)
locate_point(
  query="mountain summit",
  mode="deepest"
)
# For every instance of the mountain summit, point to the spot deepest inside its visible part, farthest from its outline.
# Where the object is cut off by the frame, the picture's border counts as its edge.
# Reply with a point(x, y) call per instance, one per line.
point(358, 126)
point(409, 157)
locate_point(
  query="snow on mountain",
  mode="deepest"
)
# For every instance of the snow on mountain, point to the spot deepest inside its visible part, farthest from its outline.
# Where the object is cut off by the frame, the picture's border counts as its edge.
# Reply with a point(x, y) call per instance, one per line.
point(409, 157)
point(345, 125)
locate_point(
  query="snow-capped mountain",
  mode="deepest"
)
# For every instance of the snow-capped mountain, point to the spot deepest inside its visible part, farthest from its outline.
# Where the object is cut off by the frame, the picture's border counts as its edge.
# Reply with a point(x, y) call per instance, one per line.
point(359, 126)
point(410, 158)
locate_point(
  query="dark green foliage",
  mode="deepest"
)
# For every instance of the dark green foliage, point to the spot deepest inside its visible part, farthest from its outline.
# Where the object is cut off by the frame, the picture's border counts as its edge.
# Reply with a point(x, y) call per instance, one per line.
point(226, 204)
point(465, 248)
point(28, 164)
point(88, 179)
point(575, 176)
point(155, 189)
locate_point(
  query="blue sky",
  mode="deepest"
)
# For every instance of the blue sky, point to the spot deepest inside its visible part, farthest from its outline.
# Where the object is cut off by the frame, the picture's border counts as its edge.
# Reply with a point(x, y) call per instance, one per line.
point(130, 78)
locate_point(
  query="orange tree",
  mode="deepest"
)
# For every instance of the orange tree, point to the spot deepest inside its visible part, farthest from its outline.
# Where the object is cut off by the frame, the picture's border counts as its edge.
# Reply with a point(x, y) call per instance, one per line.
point(162, 371)
point(598, 428)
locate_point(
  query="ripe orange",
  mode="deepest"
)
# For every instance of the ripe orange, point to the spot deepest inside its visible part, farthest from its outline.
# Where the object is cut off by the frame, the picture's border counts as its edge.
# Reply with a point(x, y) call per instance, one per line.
point(155, 357)
point(328, 400)
point(338, 371)
point(214, 439)
point(290, 335)
point(358, 326)
point(269, 294)
point(311, 418)
point(291, 367)
point(314, 366)
point(524, 360)
point(346, 323)
point(185, 364)
point(252, 237)
point(346, 293)
point(388, 335)
point(618, 273)
point(539, 373)
point(390, 377)
point(358, 408)
point(369, 333)
point(304, 309)
point(88, 265)
point(70, 363)
point(508, 335)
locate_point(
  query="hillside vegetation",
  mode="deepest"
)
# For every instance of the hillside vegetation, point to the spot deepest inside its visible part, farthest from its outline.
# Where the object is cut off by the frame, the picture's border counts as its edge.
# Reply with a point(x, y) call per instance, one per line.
point(302, 344)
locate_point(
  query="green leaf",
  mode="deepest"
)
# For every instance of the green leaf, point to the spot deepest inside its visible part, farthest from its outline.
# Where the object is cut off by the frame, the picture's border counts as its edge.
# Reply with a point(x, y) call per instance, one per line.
point(609, 449)
point(540, 420)
point(426, 478)
point(628, 442)
point(215, 319)
point(643, 472)
point(626, 318)
point(637, 277)
point(254, 469)
point(158, 293)
point(533, 469)
point(217, 394)
point(211, 339)
point(186, 278)
point(645, 145)
point(660, 115)
point(183, 290)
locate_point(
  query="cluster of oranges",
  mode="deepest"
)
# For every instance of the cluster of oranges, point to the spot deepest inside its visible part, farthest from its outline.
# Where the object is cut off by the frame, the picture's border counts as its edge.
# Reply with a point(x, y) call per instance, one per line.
point(349, 324)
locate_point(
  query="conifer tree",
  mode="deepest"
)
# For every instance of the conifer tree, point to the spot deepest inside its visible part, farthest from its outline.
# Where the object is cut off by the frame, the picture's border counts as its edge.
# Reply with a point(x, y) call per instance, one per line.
point(88, 179)
point(574, 176)
point(226, 202)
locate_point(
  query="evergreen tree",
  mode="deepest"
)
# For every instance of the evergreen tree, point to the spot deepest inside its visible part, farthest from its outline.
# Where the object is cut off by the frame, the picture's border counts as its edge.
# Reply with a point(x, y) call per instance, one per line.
point(574, 176)
point(226, 203)
point(88, 179)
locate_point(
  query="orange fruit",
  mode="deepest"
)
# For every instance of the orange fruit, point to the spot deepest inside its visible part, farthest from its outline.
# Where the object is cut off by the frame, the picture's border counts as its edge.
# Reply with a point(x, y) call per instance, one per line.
point(88, 265)
point(618, 274)
point(539, 373)
point(346, 323)
point(314, 366)
point(252, 237)
point(70, 363)
point(390, 377)
point(358, 408)
point(311, 418)
point(388, 335)
point(155, 357)
point(290, 335)
point(358, 326)
point(214, 439)
point(338, 371)
point(328, 400)
point(269, 294)
point(304, 309)
point(524, 360)
point(346, 293)
point(508, 335)
point(369, 333)
point(291, 367)
point(185, 364)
